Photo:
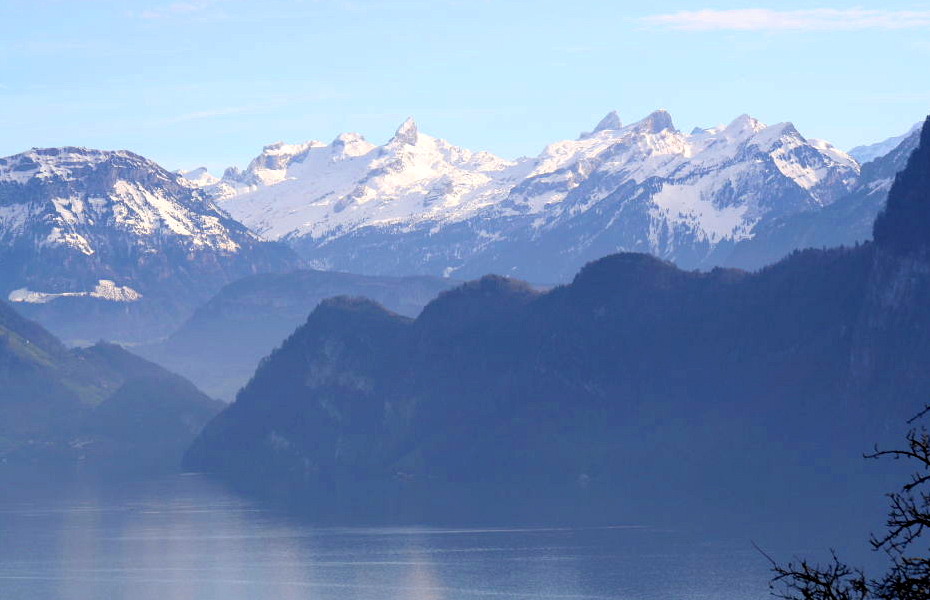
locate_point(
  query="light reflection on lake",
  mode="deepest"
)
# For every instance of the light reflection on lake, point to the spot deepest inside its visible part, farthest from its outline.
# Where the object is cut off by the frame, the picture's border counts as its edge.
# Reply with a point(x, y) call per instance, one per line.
point(184, 538)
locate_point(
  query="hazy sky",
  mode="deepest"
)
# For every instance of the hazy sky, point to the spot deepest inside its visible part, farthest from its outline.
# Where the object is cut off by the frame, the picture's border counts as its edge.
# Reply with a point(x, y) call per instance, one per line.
point(210, 82)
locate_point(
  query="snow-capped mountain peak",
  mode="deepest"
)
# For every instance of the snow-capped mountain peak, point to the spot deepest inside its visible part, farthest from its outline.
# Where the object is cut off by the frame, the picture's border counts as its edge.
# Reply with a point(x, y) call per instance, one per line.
point(80, 193)
point(200, 177)
point(68, 163)
point(610, 122)
point(115, 226)
point(270, 166)
point(744, 125)
point(407, 133)
point(687, 193)
point(350, 145)
point(834, 153)
point(656, 122)
point(326, 190)
point(80, 227)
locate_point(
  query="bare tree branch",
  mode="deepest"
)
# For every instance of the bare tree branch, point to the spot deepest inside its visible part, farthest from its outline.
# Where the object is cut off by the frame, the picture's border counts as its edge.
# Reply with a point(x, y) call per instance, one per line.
point(908, 577)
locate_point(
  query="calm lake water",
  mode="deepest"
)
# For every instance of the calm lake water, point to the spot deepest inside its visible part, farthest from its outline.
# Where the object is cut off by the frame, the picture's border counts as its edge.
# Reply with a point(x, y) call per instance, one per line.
point(186, 538)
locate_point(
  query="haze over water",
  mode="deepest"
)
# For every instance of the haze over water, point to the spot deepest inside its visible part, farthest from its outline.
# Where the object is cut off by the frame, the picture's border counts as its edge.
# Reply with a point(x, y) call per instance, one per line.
point(185, 538)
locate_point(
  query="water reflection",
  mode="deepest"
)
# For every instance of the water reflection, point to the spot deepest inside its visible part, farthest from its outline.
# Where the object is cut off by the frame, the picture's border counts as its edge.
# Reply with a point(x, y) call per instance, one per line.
point(185, 538)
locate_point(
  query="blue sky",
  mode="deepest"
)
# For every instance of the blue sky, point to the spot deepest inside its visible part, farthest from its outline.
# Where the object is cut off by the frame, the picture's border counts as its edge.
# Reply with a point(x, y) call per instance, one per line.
point(196, 82)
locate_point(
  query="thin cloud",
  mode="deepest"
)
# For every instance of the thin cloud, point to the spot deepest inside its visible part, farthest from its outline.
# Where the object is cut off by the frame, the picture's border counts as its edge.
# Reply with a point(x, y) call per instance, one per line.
point(271, 104)
point(764, 19)
point(209, 114)
point(177, 9)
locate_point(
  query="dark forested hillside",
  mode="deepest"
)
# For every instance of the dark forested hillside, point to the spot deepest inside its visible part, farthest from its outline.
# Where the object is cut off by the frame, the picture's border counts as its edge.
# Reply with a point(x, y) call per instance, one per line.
point(98, 407)
point(904, 223)
point(636, 389)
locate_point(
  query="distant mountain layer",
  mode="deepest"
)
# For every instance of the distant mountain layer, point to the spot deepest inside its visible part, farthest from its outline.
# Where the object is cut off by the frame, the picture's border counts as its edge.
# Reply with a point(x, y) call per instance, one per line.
point(220, 346)
point(418, 204)
point(99, 407)
point(870, 152)
point(118, 240)
point(638, 391)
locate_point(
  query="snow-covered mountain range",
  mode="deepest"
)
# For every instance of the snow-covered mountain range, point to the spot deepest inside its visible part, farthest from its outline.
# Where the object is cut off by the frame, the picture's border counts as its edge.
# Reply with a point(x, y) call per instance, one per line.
point(135, 248)
point(844, 222)
point(419, 204)
point(80, 225)
point(324, 190)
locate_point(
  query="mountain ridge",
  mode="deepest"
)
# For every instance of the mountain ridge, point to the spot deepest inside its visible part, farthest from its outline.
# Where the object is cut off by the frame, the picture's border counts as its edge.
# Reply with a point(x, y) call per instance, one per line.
point(639, 187)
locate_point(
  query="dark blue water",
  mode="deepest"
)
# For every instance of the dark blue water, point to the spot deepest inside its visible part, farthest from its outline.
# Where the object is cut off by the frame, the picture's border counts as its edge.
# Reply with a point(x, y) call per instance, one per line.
point(185, 538)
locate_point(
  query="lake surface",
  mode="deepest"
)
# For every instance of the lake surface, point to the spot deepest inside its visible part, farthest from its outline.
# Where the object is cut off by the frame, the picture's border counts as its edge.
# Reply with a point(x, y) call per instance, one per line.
point(187, 538)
